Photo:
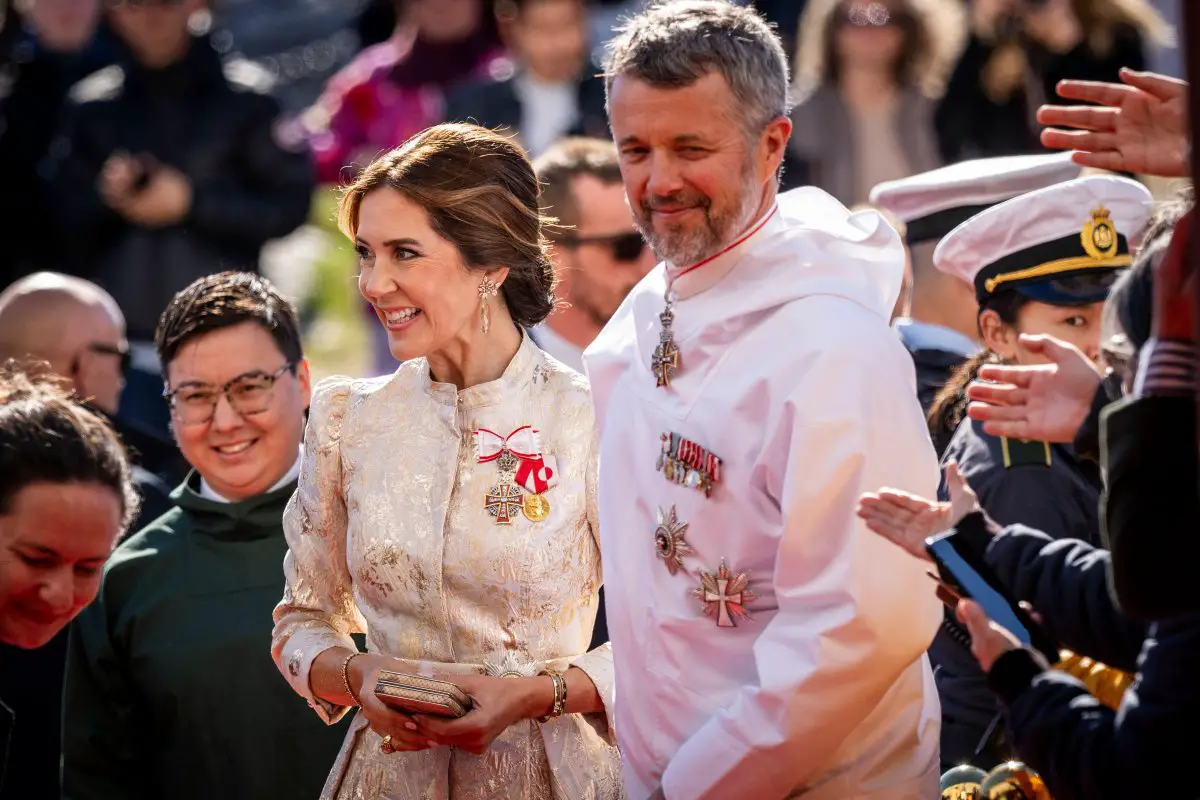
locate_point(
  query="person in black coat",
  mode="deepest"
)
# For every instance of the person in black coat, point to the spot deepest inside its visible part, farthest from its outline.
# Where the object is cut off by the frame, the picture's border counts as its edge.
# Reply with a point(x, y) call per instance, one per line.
point(1016, 54)
point(551, 90)
point(170, 166)
point(1081, 747)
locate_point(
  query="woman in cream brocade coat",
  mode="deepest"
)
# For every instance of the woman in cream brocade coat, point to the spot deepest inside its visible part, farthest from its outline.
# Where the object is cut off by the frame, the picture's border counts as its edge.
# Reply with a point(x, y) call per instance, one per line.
point(390, 536)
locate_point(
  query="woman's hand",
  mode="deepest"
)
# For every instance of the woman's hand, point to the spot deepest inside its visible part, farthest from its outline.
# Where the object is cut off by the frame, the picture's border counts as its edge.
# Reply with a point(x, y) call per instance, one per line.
point(908, 520)
point(497, 704)
point(1141, 125)
point(406, 734)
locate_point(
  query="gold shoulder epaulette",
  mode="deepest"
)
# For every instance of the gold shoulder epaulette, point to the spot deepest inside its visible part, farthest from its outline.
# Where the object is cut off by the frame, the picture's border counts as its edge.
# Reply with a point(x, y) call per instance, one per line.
point(1107, 684)
point(1024, 452)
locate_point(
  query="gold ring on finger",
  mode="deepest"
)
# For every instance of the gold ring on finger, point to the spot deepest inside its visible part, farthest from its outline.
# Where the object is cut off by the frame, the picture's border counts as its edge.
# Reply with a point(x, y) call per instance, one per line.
point(386, 745)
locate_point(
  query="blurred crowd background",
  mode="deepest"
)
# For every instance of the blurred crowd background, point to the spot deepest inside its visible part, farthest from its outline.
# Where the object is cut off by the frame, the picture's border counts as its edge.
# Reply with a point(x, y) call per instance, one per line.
point(140, 163)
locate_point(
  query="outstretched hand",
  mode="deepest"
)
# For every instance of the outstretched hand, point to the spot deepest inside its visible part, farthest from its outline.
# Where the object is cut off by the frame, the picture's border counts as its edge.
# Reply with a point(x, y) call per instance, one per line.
point(908, 520)
point(1046, 402)
point(1141, 125)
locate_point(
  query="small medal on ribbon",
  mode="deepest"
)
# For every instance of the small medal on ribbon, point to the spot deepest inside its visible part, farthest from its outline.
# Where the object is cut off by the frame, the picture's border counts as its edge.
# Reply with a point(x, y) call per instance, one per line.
point(686, 463)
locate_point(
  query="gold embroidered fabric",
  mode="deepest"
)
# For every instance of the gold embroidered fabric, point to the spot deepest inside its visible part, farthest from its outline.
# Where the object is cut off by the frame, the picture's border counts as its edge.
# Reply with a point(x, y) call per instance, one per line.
point(389, 536)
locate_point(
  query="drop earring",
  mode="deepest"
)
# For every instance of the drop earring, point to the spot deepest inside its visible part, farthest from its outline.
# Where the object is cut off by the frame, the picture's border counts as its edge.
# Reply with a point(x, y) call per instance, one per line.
point(487, 288)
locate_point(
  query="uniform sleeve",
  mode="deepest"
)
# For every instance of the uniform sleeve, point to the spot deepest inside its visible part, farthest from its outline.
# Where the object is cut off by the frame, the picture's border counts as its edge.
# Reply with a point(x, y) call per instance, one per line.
point(1086, 751)
point(598, 663)
point(854, 611)
point(317, 611)
point(1066, 581)
point(103, 756)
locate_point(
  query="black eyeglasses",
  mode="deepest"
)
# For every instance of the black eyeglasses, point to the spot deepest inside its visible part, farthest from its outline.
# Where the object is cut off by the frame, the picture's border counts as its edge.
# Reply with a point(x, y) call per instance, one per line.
point(624, 247)
point(126, 358)
point(248, 394)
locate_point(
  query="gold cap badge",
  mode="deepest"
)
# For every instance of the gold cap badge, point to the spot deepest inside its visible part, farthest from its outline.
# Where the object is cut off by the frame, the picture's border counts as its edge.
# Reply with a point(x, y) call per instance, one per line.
point(1099, 237)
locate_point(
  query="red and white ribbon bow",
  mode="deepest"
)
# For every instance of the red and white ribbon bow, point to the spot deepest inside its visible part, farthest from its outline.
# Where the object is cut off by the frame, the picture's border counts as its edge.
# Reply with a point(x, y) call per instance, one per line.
point(524, 443)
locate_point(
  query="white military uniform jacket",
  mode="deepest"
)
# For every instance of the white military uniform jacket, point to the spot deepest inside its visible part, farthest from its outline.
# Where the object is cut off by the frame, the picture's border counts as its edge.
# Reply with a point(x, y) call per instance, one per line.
point(792, 377)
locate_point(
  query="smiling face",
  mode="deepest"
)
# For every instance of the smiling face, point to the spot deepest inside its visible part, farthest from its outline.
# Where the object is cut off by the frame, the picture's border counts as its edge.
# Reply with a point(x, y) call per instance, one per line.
point(693, 178)
point(54, 541)
point(422, 293)
point(240, 455)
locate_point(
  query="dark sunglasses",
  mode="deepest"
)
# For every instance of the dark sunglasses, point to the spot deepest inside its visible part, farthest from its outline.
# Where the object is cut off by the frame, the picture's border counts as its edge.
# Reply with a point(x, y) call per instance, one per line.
point(107, 350)
point(868, 15)
point(624, 247)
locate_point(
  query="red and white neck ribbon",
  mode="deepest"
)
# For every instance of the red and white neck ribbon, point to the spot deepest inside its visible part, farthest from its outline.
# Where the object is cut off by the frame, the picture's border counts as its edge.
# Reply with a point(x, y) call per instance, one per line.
point(524, 443)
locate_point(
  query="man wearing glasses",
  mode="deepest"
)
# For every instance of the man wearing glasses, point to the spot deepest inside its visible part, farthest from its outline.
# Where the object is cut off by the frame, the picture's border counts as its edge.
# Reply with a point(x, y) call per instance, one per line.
point(170, 689)
point(598, 254)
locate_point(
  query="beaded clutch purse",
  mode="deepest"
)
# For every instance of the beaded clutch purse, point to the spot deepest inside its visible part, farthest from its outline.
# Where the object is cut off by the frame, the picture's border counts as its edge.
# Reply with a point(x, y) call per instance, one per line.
point(417, 695)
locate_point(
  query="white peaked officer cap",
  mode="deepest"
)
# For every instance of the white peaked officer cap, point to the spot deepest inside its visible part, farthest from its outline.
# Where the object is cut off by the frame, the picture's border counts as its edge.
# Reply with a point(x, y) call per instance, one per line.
point(1062, 245)
point(931, 204)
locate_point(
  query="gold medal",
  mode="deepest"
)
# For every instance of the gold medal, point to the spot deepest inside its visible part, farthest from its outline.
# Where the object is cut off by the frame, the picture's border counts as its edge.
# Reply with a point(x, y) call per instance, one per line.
point(536, 507)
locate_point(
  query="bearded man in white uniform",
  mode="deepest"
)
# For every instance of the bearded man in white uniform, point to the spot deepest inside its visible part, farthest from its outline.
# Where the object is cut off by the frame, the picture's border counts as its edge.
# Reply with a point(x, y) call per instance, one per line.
point(767, 645)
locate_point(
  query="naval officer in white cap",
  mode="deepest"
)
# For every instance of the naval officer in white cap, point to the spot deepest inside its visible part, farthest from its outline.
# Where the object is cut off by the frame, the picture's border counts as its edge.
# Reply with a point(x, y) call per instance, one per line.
point(940, 330)
point(1041, 263)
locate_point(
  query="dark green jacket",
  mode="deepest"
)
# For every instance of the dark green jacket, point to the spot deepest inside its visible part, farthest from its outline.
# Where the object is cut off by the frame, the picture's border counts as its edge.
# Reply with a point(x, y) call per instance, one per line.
point(171, 691)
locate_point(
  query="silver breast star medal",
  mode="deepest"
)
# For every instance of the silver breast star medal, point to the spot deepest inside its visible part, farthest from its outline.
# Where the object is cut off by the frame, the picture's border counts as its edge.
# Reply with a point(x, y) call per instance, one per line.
point(665, 361)
point(668, 540)
point(724, 595)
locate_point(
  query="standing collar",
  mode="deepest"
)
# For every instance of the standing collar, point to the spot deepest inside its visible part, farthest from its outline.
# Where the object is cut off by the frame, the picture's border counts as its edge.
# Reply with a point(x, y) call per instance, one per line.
point(518, 373)
point(685, 282)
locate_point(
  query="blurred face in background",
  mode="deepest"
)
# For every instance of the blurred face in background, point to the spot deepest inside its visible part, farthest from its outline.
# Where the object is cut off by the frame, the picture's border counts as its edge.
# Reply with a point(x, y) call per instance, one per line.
point(237, 409)
point(155, 30)
point(63, 26)
point(54, 540)
point(606, 257)
point(869, 33)
point(694, 177)
point(444, 20)
point(98, 357)
point(551, 38)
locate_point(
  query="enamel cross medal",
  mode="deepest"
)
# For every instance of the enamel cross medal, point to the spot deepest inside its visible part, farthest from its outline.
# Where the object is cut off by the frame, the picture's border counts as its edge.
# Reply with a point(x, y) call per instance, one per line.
point(522, 465)
point(665, 361)
point(503, 500)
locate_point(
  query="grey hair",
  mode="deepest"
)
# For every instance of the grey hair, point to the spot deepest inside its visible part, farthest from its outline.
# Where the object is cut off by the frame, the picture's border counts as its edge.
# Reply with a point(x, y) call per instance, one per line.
point(675, 43)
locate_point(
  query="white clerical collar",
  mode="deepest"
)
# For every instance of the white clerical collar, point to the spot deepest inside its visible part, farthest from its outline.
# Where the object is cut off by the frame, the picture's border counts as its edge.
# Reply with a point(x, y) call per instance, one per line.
point(207, 492)
point(692, 280)
point(918, 335)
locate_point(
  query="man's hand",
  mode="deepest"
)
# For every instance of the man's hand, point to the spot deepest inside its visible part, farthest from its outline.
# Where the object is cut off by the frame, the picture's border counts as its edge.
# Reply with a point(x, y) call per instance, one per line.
point(1142, 127)
point(1174, 287)
point(165, 199)
point(1047, 402)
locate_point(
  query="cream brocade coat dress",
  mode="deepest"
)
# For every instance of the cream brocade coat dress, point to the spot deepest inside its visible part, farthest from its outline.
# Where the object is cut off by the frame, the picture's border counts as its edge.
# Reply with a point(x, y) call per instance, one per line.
point(388, 535)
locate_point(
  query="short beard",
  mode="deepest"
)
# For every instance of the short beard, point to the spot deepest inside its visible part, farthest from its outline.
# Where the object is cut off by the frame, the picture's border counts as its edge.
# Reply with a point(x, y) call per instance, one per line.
point(687, 247)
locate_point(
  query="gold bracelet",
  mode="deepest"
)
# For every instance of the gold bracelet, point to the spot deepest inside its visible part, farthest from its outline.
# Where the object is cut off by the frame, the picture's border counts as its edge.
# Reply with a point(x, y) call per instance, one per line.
point(560, 695)
point(346, 676)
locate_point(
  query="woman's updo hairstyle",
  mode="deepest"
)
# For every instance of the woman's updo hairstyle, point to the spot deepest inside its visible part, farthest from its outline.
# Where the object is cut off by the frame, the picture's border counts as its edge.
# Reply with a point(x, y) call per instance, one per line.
point(481, 195)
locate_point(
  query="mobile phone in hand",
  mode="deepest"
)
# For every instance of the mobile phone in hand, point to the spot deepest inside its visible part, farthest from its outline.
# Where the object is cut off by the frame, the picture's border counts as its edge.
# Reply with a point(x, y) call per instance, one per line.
point(966, 572)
